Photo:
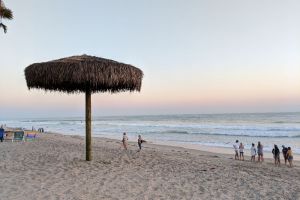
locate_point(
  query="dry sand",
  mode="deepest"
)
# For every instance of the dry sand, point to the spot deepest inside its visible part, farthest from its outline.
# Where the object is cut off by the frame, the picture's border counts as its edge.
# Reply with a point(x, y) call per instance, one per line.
point(53, 167)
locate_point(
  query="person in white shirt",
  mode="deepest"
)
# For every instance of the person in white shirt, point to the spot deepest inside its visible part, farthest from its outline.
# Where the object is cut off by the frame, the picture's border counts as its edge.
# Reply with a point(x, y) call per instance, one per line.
point(236, 149)
point(241, 147)
point(125, 141)
point(253, 152)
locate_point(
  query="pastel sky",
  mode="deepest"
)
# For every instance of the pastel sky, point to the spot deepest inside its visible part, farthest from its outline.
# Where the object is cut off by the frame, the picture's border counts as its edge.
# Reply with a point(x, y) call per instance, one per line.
point(198, 56)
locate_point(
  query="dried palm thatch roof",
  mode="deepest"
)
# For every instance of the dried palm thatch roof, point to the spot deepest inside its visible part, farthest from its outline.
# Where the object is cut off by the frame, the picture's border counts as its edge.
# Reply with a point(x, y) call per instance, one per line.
point(79, 73)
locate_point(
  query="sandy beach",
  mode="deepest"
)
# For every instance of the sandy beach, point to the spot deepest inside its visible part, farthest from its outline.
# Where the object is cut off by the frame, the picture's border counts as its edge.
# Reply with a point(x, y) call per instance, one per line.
point(53, 167)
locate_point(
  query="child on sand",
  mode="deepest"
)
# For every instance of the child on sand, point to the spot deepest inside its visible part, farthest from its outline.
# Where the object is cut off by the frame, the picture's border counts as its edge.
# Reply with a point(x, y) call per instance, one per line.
point(124, 141)
point(253, 152)
point(140, 141)
point(241, 147)
point(290, 156)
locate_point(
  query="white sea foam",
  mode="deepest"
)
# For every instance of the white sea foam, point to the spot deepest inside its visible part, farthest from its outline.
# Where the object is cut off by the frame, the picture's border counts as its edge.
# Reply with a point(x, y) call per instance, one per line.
point(213, 130)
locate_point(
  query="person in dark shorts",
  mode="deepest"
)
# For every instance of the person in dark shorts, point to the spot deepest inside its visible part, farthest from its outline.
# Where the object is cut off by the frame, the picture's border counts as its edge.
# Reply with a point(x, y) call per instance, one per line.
point(253, 152)
point(260, 152)
point(241, 147)
point(276, 154)
point(140, 141)
point(284, 153)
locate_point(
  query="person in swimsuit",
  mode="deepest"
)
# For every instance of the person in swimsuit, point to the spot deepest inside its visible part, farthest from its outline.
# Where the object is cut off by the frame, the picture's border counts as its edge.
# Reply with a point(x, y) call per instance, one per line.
point(125, 141)
point(260, 152)
point(290, 156)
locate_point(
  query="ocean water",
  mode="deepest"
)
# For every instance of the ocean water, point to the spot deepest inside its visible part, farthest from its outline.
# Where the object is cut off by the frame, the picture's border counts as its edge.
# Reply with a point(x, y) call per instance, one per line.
point(219, 130)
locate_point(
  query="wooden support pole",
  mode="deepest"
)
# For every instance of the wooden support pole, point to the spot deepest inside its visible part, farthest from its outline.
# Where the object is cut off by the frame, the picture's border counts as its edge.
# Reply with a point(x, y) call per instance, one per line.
point(88, 118)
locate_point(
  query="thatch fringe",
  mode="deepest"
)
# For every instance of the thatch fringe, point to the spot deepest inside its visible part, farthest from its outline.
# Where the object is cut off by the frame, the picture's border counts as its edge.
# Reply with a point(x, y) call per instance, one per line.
point(79, 73)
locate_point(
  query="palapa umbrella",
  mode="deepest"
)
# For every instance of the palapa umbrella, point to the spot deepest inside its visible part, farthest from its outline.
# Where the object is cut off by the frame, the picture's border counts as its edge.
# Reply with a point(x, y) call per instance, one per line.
point(88, 74)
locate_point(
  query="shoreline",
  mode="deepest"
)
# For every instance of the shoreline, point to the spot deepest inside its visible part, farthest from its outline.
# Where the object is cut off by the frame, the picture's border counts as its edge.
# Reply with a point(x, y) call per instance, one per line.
point(224, 150)
point(200, 147)
point(197, 147)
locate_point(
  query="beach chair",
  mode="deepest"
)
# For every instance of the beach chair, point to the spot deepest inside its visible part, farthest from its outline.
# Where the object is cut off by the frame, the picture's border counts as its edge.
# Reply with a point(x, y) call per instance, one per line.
point(9, 135)
point(30, 136)
point(1, 134)
point(18, 136)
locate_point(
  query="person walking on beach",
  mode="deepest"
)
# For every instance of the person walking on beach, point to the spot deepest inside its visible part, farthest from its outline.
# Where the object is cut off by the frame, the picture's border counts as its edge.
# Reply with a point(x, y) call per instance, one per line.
point(253, 152)
point(260, 152)
point(290, 156)
point(276, 154)
point(140, 141)
point(236, 149)
point(241, 147)
point(125, 141)
point(284, 153)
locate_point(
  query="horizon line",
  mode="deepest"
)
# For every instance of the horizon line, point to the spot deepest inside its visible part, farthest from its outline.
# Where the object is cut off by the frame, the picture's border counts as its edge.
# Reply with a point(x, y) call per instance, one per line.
point(138, 115)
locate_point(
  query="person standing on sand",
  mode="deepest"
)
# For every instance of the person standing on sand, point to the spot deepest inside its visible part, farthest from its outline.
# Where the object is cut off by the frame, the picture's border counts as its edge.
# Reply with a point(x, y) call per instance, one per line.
point(284, 151)
point(260, 152)
point(241, 147)
point(140, 141)
point(290, 156)
point(2, 132)
point(236, 149)
point(276, 154)
point(253, 152)
point(125, 141)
